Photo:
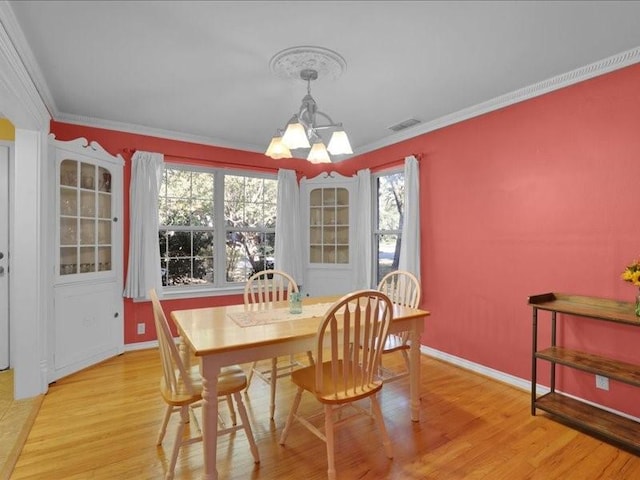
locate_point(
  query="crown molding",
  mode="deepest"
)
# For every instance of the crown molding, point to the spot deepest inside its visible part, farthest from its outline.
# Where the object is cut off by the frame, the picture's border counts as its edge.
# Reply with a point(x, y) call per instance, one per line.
point(155, 132)
point(609, 64)
point(21, 100)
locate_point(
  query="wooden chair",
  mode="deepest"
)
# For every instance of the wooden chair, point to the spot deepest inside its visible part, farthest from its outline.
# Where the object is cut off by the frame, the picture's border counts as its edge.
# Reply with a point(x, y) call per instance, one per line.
point(261, 291)
point(403, 288)
point(349, 344)
point(181, 389)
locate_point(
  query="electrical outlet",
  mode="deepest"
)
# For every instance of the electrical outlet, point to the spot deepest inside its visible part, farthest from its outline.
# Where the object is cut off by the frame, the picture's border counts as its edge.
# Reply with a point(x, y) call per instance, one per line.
point(141, 328)
point(602, 382)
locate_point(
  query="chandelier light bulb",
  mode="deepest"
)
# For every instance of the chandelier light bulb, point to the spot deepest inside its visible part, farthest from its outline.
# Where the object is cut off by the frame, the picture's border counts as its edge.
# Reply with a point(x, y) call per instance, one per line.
point(339, 143)
point(318, 154)
point(295, 136)
point(277, 149)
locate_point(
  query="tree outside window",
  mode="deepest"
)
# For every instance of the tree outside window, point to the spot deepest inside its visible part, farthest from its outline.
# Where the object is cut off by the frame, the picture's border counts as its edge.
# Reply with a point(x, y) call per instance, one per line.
point(389, 217)
point(209, 214)
point(250, 218)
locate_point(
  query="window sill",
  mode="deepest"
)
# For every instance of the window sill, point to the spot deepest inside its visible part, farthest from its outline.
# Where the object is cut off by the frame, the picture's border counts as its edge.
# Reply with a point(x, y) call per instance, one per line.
point(195, 292)
point(191, 292)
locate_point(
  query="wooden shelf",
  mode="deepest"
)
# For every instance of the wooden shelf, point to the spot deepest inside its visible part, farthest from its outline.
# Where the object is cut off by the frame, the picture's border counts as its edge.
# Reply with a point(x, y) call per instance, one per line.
point(593, 419)
point(591, 307)
point(616, 370)
point(573, 411)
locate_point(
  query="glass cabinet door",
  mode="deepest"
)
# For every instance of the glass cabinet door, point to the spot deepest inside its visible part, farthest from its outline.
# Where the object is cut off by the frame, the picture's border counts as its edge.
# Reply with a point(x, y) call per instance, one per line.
point(329, 225)
point(85, 221)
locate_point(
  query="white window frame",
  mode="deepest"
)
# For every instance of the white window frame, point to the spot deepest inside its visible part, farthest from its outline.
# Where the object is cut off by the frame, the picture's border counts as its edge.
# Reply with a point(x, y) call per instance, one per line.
point(376, 232)
point(220, 286)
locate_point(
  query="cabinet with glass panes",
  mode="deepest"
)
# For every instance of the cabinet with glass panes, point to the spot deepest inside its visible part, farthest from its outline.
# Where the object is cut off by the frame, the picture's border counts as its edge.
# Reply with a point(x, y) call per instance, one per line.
point(87, 215)
point(86, 207)
point(329, 225)
point(85, 218)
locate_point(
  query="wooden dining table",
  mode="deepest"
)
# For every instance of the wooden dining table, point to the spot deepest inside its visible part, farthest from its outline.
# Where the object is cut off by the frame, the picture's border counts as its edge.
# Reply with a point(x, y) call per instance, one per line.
point(236, 334)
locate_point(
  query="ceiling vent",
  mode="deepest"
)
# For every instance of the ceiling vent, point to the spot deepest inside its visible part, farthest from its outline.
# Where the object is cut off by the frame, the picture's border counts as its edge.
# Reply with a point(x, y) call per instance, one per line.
point(404, 124)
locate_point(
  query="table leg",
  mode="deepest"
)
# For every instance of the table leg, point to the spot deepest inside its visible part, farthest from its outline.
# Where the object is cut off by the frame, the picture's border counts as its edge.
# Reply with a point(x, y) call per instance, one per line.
point(210, 372)
point(185, 354)
point(414, 372)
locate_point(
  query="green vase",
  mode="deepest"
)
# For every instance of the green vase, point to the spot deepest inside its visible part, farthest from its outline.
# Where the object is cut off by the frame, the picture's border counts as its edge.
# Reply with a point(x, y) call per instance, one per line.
point(638, 304)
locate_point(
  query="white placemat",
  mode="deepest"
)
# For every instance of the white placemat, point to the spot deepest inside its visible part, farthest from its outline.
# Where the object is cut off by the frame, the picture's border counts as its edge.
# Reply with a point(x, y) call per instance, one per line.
point(251, 318)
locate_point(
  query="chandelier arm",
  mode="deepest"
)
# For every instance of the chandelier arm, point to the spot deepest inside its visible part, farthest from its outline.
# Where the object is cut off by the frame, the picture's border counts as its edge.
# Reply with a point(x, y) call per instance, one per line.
point(331, 123)
point(301, 118)
point(312, 124)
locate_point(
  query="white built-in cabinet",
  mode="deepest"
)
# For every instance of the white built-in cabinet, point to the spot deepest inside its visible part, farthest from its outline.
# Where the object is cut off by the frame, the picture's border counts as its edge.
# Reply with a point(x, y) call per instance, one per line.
point(88, 319)
point(328, 206)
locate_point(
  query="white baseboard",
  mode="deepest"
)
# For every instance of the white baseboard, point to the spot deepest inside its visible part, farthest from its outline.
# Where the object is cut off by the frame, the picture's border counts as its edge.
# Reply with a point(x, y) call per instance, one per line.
point(512, 380)
point(130, 347)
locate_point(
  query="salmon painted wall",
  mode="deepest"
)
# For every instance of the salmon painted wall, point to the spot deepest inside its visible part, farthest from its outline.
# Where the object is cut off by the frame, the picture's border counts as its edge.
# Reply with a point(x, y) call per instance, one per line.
point(541, 196)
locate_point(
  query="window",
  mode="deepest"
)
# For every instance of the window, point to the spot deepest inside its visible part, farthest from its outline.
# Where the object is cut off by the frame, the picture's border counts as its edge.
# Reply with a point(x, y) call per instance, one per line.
point(250, 216)
point(208, 214)
point(388, 214)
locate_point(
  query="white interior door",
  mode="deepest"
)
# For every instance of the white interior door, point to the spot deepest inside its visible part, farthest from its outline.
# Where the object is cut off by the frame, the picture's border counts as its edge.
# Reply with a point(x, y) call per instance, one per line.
point(4, 257)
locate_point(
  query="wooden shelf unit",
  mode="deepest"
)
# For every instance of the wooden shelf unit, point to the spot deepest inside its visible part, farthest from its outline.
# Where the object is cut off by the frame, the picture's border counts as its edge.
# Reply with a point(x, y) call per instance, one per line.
point(582, 415)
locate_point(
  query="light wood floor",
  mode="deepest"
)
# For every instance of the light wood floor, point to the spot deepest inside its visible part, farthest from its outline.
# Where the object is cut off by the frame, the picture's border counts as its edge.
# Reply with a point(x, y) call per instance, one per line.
point(102, 424)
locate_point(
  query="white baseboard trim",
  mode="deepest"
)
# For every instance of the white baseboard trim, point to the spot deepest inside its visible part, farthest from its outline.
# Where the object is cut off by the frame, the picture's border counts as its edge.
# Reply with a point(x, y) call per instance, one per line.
point(512, 380)
point(131, 347)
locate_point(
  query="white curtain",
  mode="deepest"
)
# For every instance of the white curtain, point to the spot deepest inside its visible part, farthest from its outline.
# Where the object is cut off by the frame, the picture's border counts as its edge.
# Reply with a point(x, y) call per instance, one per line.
point(361, 244)
point(410, 247)
point(288, 249)
point(144, 253)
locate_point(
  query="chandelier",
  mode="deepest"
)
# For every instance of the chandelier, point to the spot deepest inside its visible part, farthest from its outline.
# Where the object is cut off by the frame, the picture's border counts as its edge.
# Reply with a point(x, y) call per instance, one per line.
point(303, 129)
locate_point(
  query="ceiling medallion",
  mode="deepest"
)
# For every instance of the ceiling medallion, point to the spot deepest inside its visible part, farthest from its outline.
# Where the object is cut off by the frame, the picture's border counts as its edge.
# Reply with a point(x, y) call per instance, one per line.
point(289, 62)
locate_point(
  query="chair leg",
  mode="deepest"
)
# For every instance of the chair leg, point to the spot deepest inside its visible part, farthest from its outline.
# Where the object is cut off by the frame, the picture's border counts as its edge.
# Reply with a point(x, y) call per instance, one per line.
point(232, 411)
point(290, 417)
point(274, 379)
point(165, 422)
point(247, 427)
point(377, 414)
point(329, 434)
point(184, 413)
point(405, 355)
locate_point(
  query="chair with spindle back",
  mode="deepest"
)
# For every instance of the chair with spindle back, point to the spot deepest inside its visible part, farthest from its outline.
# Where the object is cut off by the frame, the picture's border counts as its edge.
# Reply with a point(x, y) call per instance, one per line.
point(181, 389)
point(349, 344)
point(262, 291)
point(403, 288)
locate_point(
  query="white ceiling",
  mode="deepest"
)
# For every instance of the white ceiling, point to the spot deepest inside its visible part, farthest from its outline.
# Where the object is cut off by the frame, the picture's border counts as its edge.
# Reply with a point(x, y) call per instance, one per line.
point(200, 70)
